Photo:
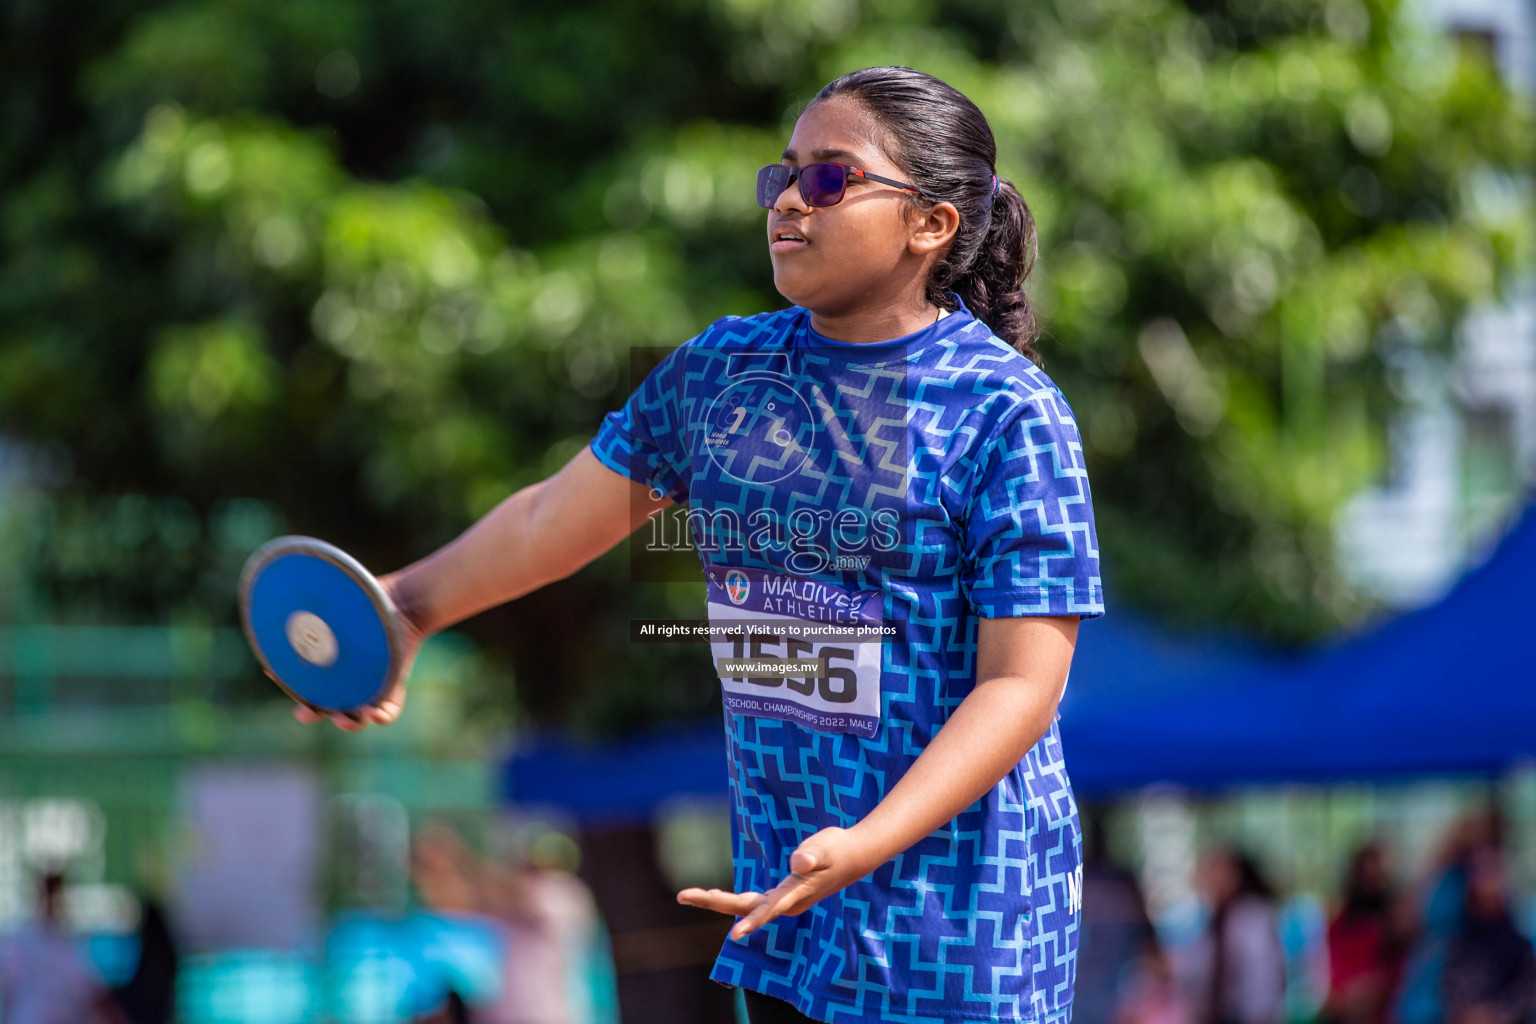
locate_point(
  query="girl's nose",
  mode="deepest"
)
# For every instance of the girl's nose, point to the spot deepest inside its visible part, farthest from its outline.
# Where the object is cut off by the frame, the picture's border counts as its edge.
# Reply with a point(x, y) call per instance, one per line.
point(790, 198)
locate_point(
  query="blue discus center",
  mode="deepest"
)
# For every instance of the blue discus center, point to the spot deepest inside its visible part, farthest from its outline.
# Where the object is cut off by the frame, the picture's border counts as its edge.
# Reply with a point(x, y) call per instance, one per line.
point(303, 582)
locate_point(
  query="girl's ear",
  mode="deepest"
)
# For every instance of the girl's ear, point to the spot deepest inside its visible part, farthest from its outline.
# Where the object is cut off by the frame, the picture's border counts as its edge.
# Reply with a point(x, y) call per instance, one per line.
point(933, 229)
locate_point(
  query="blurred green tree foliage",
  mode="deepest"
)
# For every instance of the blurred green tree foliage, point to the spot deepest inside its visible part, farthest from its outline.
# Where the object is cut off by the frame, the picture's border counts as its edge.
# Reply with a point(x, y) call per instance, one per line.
point(361, 268)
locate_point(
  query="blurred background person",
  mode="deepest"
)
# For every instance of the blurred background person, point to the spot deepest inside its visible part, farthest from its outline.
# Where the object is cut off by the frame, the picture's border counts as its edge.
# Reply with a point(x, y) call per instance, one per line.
point(1151, 994)
point(1434, 917)
point(1364, 943)
point(43, 978)
point(1235, 972)
point(446, 871)
point(1114, 928)
point(550, 921)
point(546, 916)
point(149, 996)
point(1490, 969)
point(453, 1011)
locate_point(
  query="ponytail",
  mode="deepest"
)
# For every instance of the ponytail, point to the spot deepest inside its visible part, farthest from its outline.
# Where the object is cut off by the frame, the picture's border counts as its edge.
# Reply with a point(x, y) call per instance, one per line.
point(993, 284)
point(943, 142)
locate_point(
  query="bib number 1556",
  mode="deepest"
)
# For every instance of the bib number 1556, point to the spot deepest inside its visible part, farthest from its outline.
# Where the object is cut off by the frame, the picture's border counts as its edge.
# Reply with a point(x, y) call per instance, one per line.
point(839, 684)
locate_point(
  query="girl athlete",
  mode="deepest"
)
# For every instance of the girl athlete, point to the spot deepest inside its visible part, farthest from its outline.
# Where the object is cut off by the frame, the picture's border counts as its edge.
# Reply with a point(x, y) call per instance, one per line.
point(883, 454)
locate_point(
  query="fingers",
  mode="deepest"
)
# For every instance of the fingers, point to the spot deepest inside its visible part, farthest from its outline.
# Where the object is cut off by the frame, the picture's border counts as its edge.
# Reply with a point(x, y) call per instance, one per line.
point(734, 903)
point(344, 720)
point(765, 911)
point(792, 896)
point(812, 877)
point(385, 712)
point(391, 704)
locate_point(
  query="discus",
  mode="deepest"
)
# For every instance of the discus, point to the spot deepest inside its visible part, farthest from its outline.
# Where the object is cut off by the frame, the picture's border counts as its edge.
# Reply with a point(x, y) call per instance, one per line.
point(321, 625)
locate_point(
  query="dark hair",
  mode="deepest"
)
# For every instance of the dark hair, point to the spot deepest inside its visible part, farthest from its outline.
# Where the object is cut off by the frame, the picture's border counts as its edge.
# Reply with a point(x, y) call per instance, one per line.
point(1250, 877)
point(943, 143)
point(50, 892)
point(1366, 891)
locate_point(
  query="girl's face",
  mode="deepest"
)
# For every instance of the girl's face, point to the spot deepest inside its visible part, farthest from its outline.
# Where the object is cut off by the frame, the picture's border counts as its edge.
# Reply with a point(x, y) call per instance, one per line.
point(871, 251)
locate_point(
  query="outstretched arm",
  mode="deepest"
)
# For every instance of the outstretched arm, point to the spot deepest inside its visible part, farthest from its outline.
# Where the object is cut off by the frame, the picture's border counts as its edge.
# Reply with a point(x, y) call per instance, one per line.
point(542, 533)
point(1021, 668)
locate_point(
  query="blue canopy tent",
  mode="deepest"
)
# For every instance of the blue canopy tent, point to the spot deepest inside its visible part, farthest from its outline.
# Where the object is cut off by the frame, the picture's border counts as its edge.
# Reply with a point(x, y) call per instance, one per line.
point(619, 781)
point(1447, 689)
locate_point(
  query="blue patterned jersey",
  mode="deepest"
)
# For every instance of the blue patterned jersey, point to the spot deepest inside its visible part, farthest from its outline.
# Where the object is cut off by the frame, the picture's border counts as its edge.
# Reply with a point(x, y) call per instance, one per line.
point(857, 508)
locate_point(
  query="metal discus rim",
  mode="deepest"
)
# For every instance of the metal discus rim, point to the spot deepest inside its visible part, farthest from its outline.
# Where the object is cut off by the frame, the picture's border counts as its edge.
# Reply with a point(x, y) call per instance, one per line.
point(291, 544)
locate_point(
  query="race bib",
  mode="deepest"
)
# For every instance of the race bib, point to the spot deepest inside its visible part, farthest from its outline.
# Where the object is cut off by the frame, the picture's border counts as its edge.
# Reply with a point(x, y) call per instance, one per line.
point(802, 650)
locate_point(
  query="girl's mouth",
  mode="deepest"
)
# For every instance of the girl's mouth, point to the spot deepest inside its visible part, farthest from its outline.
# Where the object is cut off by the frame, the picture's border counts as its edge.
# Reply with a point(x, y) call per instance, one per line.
point(787, 240)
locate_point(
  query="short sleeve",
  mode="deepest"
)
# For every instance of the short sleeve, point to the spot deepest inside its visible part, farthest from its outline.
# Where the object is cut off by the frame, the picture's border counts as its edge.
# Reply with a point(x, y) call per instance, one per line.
point(645, 439)
point(1029, 542)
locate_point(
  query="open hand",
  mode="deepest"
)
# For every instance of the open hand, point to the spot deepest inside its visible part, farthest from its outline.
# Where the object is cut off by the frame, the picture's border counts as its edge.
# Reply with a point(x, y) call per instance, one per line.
point(388, 707)
point(823, 864)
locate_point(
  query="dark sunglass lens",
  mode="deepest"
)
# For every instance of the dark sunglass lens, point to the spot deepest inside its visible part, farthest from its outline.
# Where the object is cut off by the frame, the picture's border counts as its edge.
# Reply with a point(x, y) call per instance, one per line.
point(822, 184)
point(771, 182)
